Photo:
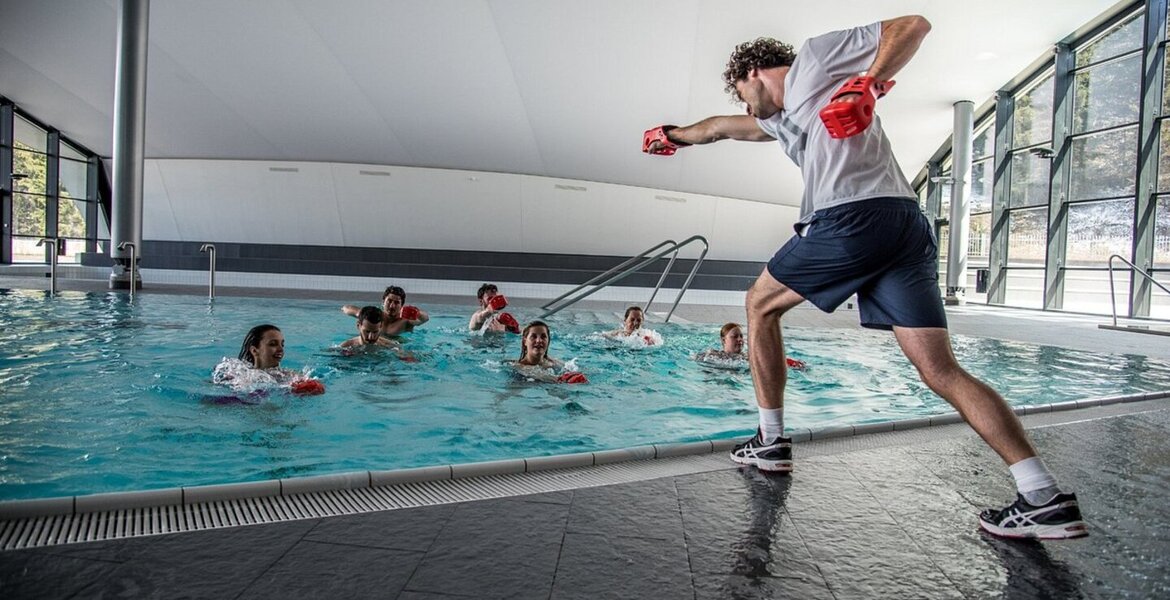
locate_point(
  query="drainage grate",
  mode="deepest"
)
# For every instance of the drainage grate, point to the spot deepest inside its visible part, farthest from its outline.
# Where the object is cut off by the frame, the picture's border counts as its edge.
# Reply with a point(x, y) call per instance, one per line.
point(109, 525)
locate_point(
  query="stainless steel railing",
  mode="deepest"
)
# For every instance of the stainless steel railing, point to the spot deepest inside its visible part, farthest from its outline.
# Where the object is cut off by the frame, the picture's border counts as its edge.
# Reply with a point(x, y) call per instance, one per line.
point(52, 242)
point(1113, 295)
point(210, 249)
point(133, 265)
point(627, 268)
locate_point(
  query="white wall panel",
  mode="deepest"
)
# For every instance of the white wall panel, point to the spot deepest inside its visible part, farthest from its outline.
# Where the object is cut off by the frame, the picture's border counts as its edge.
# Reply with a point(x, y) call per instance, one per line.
point(246, 201)
point(158, 218)
point(406, 207)
point(750, 230)
point(456, 210)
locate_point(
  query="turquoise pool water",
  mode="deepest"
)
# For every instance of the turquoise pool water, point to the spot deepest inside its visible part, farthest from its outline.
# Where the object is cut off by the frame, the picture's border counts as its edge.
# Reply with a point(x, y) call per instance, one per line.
point(101, 394)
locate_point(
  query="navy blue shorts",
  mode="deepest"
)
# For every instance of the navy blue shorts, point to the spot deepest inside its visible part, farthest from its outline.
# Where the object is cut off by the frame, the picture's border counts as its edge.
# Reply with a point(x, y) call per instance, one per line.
point(883, 250)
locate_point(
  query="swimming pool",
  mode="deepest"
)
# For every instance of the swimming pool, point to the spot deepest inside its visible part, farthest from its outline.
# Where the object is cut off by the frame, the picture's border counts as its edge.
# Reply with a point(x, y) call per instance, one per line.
point(101, 394)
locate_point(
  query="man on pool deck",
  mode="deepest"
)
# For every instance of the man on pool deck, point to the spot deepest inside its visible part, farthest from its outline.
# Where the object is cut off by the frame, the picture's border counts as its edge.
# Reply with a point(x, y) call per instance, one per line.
point(399, 317)
point(860, 231)
point(486, 319)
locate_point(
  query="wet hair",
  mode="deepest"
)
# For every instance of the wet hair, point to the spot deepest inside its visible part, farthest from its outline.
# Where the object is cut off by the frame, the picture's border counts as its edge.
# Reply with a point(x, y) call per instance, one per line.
point(397, 291)
point(524, 336)
point(726, 329)
point(252, 340)
point(760, 53)
point(632, 309)
point(485, 288)
point(373, 314)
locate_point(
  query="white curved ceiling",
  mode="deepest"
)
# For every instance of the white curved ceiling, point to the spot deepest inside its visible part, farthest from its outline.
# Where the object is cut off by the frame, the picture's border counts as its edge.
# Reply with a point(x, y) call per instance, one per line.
point(542, 87)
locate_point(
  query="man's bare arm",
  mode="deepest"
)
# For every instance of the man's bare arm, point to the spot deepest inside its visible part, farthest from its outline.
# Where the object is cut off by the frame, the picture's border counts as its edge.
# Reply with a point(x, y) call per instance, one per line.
point(900, 40)
point(712, 129)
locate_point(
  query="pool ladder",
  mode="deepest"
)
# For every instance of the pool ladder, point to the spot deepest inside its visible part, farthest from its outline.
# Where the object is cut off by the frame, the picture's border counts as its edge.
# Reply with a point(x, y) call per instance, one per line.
point(628, 268)
point(1113, 297)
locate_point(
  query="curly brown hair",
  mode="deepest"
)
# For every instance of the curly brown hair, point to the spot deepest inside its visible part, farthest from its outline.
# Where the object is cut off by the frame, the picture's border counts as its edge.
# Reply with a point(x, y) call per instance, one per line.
point(760, 53)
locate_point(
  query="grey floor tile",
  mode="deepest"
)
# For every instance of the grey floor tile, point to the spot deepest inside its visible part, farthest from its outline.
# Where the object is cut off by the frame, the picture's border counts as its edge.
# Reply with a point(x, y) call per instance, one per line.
point(613, 566)
point(873, 560)
point(314, 569)
point(204, 564)
point(405, 529)
point(887, 464)
point(646, 509)
point(32, 574)
point(710, 586)
point(737, 525)
point(409, 595)
point(495, 549)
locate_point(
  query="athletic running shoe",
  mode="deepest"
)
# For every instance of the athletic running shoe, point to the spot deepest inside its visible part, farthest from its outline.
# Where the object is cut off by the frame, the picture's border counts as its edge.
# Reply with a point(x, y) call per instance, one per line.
point(1057, 519)
point(775, 457)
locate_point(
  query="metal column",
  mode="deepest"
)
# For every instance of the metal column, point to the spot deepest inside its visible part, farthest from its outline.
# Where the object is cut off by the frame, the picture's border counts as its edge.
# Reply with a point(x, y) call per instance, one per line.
point(960, 217)
point(1148, 151)
point(1005, 106)
point(129, 138)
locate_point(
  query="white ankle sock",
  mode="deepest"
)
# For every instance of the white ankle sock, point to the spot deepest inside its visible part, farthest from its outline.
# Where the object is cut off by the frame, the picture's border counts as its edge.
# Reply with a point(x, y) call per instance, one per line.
point(1034, 481)
point(771, 423)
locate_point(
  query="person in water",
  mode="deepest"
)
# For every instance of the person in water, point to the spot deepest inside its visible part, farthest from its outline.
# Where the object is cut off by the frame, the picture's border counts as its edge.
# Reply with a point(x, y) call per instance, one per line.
point(263, 350)
point(732, 340)
point(370, 320)
point(399, 317)
point(632, 325)
point(487, 319)
point(535, 363)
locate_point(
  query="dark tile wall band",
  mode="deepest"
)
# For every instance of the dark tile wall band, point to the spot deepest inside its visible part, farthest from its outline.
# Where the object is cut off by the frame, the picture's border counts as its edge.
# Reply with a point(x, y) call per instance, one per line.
point(413, 263)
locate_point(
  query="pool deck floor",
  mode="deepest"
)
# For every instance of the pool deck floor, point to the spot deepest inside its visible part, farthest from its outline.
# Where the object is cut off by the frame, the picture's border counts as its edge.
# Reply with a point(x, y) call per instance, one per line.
point(888, 515)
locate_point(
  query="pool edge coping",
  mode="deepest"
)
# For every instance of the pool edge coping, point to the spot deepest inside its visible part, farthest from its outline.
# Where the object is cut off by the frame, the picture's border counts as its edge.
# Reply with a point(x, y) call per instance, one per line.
point(185, 496)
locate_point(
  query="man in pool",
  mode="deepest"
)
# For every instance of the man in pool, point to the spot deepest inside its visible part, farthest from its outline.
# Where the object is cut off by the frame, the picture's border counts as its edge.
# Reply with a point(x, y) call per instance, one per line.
point(860, 231)
point(486, 319)
point(399, 317)
point(369, 326)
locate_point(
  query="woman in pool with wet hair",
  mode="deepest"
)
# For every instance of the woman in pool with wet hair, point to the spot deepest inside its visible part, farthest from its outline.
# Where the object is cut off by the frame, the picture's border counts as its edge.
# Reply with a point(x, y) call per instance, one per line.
point(731, 338)
point(259, 358)
point(535, 363)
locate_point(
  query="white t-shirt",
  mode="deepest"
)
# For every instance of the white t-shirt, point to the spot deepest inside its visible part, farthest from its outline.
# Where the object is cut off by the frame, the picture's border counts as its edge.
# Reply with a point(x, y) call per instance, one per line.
point(835, 172)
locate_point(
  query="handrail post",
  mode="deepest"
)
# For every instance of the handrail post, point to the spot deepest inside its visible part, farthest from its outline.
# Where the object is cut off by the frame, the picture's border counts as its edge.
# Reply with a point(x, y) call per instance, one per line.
point(613, 269)
point(662, 279)
point(52, 243)
point(210, 249)
point(1112, 293)
point(695, 269)
point(1137, 270)
point(133, 265)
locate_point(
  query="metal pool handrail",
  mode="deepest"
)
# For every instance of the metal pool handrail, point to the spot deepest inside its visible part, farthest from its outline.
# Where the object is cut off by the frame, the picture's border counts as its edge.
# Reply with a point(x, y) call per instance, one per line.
point(133, 265)
point(210, 249)
point(1113, 295)
point(625, 269)
point(51, 241)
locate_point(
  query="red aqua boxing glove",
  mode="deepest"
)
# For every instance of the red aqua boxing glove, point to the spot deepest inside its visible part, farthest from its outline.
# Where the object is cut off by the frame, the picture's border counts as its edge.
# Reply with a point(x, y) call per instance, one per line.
point(409, 313)
point(498, 302)
point(572, 377)
point(658, 134)
point(509, 322)
point(795, 364)
point(307, 387)
point(845, 119)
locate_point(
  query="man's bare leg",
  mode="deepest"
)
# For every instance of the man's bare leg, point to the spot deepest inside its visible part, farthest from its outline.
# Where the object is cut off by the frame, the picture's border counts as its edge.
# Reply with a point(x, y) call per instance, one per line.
point(929, 349)
point(1044, 511)
point(767, 301)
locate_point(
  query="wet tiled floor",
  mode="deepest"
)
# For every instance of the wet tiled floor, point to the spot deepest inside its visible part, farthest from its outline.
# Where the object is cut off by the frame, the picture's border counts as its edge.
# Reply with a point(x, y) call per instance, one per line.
point(890, 522)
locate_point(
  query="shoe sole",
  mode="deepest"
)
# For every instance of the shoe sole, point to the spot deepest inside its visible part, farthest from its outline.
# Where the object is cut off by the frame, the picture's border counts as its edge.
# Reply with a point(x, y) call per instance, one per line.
point(1064, 531)
point(770, 466)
